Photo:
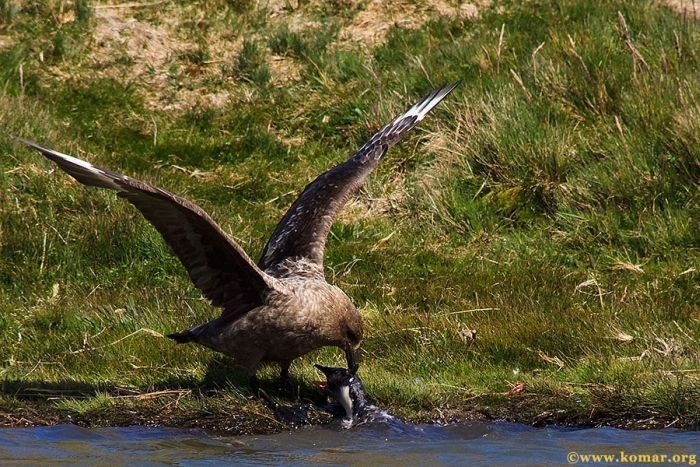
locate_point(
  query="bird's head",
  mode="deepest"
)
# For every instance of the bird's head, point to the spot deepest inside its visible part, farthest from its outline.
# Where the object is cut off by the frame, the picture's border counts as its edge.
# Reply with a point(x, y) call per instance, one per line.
point(352, 328)
point(352, 336)
point(343, 326)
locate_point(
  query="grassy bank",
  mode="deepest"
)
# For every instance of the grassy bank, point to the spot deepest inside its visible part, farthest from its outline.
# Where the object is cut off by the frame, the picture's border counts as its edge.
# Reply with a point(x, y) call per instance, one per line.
point(531, 252)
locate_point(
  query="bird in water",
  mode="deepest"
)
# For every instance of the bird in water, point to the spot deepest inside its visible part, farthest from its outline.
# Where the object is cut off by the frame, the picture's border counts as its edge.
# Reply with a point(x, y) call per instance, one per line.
point(281, 307)
point(345, 386)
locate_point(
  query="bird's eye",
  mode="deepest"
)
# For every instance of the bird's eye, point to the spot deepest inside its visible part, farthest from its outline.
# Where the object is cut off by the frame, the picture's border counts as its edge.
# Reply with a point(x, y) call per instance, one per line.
point(352, 337)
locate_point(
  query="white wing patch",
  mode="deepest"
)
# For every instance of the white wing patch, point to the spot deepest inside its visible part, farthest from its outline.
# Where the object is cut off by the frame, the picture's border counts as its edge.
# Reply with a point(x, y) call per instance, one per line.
point(77, 168)
point(90, 168)
point(422, 108)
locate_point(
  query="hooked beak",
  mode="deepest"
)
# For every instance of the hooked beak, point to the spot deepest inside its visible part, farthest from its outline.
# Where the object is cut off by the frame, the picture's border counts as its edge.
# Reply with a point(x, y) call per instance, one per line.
point(351, 358)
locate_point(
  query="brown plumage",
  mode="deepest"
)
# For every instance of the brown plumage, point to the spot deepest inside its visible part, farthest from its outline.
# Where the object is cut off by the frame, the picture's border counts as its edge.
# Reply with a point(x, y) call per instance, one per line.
point(281, 308)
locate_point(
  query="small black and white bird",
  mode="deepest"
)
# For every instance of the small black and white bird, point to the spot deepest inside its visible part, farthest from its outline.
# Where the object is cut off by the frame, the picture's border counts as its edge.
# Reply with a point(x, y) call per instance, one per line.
point(282, 307)
point(345, 386)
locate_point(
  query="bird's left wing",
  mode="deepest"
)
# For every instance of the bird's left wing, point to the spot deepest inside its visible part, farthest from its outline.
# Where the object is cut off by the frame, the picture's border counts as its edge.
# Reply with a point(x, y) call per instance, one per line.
point(301, 234)
point(215, 263)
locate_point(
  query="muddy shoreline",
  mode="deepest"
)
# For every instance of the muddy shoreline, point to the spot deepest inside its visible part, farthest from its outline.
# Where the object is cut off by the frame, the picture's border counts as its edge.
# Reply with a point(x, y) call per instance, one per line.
point(221, 415)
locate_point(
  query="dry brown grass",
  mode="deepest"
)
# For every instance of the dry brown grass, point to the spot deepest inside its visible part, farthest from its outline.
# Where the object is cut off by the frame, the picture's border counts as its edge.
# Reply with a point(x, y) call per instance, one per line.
point(372, 24)
point(146, 42)
point(284, 69)
point(691, 8)
point(6, 42)
point(145, 45)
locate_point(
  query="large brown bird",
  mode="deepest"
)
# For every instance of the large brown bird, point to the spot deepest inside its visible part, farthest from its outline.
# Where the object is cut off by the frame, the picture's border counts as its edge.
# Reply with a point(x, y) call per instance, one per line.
point(281, 308)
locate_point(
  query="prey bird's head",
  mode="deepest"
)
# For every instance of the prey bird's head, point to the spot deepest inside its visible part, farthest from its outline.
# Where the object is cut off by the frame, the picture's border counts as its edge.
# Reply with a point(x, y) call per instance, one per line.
point(345, 387)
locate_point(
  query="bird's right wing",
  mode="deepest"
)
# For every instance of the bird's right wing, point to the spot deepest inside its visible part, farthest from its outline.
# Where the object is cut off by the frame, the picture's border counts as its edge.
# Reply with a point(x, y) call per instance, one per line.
point(215, 263)
point(301, 234)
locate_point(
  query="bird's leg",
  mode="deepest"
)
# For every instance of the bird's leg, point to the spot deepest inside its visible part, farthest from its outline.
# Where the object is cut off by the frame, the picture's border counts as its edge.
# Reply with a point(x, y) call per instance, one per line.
point(254, 383)
point(286, 381)
point(284, 370)
point(250, 367)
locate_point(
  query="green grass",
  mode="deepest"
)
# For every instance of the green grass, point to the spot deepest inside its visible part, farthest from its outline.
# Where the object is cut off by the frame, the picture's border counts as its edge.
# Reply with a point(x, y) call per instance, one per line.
point(551, 204)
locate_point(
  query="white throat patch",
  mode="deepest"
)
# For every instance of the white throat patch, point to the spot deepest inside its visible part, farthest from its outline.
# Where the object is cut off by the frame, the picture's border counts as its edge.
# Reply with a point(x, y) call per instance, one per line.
point(345, 400)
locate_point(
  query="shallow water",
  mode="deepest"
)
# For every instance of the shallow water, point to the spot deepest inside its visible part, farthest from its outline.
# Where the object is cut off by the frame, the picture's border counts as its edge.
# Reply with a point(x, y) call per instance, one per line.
point(475, 443)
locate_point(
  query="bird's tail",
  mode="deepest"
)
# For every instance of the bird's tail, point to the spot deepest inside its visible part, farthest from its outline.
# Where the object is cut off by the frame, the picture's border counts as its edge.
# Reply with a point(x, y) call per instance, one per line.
point(182, 337)
point(188, 335)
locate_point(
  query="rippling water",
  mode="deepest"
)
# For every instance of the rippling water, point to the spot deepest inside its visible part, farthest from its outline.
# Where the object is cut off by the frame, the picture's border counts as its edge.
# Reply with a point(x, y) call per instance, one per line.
point(476, 443)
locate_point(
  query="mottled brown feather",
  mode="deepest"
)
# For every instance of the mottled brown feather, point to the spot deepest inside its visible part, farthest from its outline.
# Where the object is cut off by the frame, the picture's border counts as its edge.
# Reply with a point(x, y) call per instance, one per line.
point(301, 234)
point(215, 263)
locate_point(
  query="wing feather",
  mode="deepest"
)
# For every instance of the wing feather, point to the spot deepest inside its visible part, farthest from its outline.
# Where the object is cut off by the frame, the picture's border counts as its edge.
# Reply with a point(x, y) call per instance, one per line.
point(301, 234)
point(215, 263)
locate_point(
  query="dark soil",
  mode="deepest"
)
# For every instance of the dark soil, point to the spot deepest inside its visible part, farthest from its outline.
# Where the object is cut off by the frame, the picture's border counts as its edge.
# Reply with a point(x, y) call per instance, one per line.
point(222, 414)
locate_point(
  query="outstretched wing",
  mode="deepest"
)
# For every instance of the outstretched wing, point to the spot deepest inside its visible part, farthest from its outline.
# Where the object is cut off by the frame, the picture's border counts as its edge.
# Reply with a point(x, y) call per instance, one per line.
point(303, 230)
point(214, 262)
